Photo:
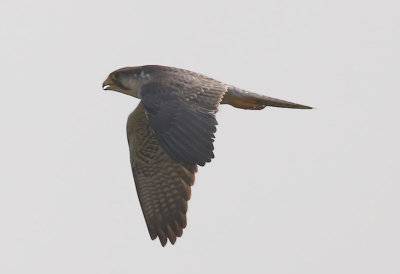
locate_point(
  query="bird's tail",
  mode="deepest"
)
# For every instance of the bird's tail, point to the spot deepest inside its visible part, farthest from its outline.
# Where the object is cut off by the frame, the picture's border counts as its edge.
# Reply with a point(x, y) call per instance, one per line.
point(249, 100)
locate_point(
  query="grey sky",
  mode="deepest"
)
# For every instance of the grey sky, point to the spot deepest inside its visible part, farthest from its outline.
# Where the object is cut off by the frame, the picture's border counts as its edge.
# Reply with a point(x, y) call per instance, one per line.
point(288, 192)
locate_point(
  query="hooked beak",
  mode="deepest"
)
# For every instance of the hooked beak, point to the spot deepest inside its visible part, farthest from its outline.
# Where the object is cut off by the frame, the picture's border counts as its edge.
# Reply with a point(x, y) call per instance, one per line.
point(107, 84)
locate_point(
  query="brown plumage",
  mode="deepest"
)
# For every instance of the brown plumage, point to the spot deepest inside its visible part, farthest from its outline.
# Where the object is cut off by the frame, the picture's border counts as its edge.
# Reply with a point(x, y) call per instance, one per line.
point(171, 132)
point(163, 185)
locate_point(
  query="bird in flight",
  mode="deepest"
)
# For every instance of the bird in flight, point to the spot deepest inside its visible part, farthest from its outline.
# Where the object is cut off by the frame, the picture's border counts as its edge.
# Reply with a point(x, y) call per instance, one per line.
point(171, 132)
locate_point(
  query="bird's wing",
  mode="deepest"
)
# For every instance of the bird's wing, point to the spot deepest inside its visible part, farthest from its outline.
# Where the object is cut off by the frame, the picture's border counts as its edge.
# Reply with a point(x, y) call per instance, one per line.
point(182, 113)
point(163, 185)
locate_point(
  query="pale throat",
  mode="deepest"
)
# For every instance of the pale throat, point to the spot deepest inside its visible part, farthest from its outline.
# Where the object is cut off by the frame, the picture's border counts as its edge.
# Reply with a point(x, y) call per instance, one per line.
point(135, 82)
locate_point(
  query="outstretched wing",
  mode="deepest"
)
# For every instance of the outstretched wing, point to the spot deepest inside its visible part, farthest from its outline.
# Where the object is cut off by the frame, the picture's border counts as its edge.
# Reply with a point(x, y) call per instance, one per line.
point(162, 184)
point(181, 110)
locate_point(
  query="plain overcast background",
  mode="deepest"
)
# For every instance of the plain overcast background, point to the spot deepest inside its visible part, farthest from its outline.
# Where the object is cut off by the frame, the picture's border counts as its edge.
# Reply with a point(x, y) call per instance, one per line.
point(290, 191)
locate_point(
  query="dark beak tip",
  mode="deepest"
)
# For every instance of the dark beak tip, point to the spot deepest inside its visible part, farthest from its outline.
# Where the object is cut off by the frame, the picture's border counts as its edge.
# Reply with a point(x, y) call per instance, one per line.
point(105, 86)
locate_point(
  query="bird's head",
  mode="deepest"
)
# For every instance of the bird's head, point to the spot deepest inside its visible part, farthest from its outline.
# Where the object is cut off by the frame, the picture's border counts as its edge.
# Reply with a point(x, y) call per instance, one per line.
point(126, 80)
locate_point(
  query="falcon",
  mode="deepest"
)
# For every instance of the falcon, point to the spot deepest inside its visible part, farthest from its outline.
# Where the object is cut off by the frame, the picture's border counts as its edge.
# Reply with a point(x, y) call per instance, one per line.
point(171, 133)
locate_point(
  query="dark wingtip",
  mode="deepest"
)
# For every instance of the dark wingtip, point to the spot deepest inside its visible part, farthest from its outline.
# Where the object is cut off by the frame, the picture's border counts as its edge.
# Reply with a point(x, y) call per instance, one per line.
point(163, 241)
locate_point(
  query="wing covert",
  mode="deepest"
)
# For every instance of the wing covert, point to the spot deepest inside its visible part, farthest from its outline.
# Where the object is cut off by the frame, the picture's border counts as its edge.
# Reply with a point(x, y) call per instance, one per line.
point(182, 113)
